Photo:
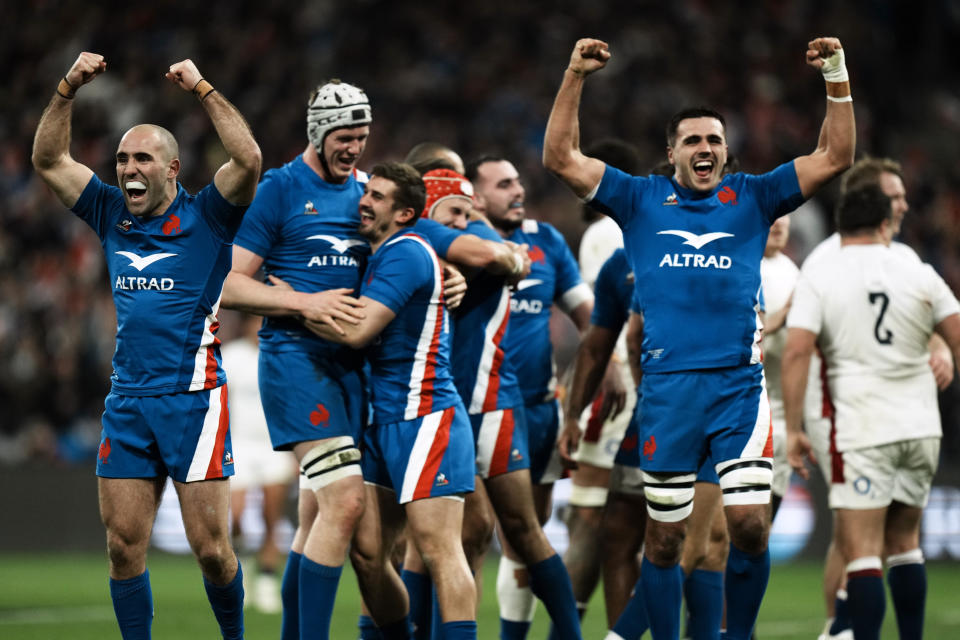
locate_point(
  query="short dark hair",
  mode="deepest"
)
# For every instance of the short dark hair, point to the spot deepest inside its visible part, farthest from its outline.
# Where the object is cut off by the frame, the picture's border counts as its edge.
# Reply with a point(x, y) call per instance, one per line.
point(470, 170)
point(867, 170)
point(410, 191)
point(862, 210)
point(617, 153)
point(687, 114)
point(428, 156)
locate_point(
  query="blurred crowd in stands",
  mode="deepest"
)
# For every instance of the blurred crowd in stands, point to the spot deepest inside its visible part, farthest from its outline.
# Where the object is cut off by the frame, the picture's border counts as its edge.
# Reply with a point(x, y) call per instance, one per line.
point(478, 77)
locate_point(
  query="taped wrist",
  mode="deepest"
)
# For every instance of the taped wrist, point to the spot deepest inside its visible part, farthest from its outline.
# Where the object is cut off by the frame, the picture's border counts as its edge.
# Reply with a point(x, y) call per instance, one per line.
point(834, 68)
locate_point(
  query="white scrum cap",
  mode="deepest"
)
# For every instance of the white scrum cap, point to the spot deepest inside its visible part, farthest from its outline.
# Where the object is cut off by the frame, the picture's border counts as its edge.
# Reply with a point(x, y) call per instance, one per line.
point(335, 105)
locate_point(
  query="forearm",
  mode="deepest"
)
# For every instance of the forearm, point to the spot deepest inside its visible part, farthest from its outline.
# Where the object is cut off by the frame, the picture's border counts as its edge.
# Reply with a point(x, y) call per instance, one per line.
point(51, 143)
point(243, 293)
point(234, 132)
point(793, 381)
point(838, 132)
point(562, 136)
point(588, 372)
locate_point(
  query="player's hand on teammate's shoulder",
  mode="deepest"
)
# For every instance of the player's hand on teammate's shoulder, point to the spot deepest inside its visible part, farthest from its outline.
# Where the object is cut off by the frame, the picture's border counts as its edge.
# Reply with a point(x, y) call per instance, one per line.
point(184, 74)
point(87, 67)
point(589, 55)
point(820, 50)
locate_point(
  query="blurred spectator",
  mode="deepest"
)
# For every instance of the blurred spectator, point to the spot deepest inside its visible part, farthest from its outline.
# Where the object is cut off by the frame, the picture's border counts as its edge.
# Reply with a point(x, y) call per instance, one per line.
point(476, 77)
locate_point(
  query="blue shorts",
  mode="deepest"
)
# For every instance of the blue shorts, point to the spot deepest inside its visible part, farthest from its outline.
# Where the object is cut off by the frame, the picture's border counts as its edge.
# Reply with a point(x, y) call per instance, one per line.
point(428, 457)
point(309, 396)
point(628, 455)
point(182, 435)
point(543, 425)
point(723, 414)
point(501, 441)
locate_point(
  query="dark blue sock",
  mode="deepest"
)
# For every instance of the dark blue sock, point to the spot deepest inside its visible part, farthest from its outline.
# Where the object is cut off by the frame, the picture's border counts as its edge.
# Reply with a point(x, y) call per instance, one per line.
point(633, 621)
point(399, 630)
point(227, 604)
point(318, 589)
point(841, 615)
point(866, 601)
point(662, 589)
point(459, 630)
point(368, 628)
point(908, 588)
point(290, 596)
point(550, 582)
point(511, 630)
point(133, 606)
point(703, 591)
point(746, 582)
point(420, 589)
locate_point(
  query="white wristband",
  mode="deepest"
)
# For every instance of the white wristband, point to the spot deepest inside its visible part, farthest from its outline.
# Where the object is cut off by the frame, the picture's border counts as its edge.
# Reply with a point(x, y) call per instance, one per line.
point(834, 69)
point(846, 98)
point(517, 264)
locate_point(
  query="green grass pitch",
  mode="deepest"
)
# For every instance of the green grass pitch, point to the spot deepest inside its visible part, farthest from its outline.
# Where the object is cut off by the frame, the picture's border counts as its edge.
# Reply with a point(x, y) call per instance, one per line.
point(45, 596)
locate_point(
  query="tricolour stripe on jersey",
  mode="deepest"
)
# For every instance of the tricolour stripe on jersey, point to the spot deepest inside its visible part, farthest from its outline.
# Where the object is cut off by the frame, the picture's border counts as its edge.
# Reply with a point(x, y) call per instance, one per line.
point(423, 372)
point(426, 455)
point(756, 351)
point(484, 397)
point(205, 365)
point(207, 459)
point(493, 442)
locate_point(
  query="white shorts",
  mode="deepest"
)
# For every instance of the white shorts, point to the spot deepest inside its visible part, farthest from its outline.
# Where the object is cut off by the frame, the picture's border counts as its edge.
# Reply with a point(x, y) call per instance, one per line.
point(781, 469)
point(875, 476)
point(600, 441)
point(258, 465)
point(818, 430)
point(626, 479)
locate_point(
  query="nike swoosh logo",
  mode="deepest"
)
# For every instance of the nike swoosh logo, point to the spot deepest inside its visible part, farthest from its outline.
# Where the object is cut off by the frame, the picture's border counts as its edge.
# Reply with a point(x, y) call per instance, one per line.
point(693, 239)
point(337, 243)
point(529, 282)
point(139, 263)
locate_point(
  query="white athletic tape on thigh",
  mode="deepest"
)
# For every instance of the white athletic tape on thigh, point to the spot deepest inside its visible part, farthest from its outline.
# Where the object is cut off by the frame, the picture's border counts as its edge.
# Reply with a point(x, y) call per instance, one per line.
point(914, 556)
point(746, 480)
point(669, 497)
point(588, 496)
point(329, 461)
point(517, 603)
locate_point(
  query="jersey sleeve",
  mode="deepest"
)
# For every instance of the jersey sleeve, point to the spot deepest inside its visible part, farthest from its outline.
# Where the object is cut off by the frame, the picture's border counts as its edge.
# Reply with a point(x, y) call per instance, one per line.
point(483, 230)
point(610, 310)
point(571, 291)
point(95, 204)
point(440, 237)
point(806, 311)
point(617, 195)
point(393, 280)
point(222, 217)
point(778, 191)
point(261, 227)
point(942, 300)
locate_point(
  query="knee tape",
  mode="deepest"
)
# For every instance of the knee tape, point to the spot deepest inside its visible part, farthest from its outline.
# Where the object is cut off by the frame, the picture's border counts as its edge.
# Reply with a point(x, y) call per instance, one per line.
point(669, 497)
point(329, 461)
point(588, 496)
point(746, 480)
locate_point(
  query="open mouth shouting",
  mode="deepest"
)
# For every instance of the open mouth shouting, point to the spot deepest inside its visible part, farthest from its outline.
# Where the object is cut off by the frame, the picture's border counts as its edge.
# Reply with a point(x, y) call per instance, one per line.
point(703, 168)
point(136, 191)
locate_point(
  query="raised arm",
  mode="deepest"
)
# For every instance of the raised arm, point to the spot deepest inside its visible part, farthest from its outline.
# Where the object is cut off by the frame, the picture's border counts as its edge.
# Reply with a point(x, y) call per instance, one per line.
point(837, 142)
point(237, 179)
point(51, 143)
point(561, 145)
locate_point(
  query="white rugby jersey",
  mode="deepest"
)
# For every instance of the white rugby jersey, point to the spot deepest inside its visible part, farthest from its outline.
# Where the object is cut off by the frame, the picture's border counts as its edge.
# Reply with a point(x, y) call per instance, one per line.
point(778, 276)
point(874, 311)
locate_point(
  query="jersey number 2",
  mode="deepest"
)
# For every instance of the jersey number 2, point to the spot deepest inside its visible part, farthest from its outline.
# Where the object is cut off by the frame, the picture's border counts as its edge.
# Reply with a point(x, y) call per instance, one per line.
point(882, 334)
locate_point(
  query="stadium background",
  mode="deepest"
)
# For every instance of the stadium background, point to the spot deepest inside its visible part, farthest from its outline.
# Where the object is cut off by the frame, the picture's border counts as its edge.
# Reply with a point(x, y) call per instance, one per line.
point(479, 77)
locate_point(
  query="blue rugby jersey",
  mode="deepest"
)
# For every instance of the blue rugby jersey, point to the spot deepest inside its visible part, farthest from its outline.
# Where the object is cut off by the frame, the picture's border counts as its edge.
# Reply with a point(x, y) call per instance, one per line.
point(167, 275)
point(696, 259)
point(554, 277)
point(410, 359)
point(305, 229)
point(613, 292)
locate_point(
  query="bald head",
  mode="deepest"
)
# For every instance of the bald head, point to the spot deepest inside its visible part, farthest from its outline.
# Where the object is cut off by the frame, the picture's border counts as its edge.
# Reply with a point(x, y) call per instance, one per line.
point(166, 143)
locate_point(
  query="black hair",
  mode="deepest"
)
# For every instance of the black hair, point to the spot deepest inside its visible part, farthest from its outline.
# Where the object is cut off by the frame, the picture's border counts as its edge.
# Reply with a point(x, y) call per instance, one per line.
point(687, 114)
point(862, 210)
